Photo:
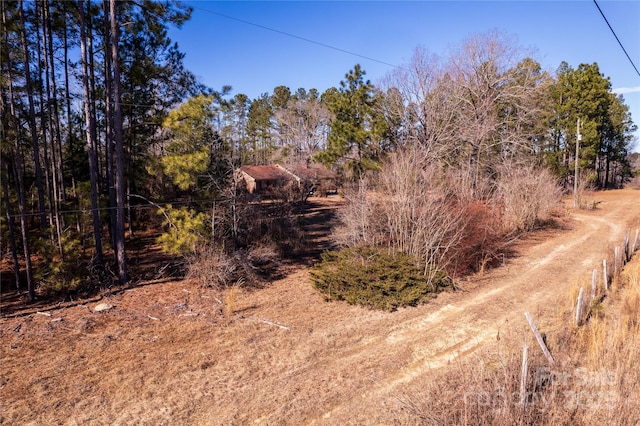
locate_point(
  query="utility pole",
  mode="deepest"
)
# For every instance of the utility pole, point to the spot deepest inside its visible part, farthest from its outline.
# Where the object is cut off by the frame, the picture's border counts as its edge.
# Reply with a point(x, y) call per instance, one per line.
point(575, 178)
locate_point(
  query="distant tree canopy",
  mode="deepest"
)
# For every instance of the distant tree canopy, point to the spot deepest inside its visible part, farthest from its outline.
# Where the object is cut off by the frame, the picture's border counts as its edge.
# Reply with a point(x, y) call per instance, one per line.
point(98, 113)
point(606, 126)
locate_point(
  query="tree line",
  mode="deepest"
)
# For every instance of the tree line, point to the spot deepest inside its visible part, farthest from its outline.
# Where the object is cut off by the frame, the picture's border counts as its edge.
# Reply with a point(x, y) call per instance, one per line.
point(99, 115)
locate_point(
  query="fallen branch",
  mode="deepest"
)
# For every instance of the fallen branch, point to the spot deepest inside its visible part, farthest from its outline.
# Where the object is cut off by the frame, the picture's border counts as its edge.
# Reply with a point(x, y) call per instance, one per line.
point(284, 327)
point(26, 312)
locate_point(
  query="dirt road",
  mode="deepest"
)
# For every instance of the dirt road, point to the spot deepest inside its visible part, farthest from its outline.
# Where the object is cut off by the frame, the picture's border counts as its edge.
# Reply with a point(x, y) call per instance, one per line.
point(536, 281)
point(167, 355)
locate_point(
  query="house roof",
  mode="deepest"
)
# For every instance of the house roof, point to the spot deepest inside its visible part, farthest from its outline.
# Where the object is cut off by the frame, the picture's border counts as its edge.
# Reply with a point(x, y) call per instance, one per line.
point(311, 171)
point(265, 173)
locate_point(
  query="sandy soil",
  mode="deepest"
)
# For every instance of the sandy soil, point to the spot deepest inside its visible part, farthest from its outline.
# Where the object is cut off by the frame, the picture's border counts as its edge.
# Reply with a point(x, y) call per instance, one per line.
point(167, 353)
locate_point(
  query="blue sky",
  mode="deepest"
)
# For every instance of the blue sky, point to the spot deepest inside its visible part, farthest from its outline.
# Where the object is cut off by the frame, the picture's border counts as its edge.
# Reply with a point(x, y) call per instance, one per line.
point(256, 46)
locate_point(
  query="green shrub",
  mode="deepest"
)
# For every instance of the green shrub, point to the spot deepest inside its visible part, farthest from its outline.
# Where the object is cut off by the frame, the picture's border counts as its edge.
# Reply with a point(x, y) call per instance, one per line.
point(376, 279)
point(187, 228)
point(58, 275)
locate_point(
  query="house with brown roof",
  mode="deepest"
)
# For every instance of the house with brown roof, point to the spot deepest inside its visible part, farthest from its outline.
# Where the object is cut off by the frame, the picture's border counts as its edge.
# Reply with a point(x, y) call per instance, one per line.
point(312, 177)
point(263, 178)
point(304, 179)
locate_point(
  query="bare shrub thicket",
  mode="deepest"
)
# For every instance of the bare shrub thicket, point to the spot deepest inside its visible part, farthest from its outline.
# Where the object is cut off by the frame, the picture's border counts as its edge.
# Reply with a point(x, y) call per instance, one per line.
point(210, 266)
point(415, 209)
point(446, 218)
point(360, 221)
point(528, 194)
point(584, 193)
point(418, 219)
point(405, 212)
point(454, 191)
point(244, 243)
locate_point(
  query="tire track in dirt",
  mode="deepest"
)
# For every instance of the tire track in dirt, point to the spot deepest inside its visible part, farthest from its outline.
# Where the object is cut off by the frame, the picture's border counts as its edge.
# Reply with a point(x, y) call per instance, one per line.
point(534, 280)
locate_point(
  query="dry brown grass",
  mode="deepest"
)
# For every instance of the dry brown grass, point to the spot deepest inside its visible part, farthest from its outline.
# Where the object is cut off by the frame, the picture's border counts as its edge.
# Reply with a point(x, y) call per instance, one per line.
point(168, 354)
point(592, 382)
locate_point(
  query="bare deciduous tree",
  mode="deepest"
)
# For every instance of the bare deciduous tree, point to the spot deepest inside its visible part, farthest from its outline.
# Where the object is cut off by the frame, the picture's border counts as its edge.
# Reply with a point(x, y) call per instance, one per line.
point(359, 219)
point(475, 109)
point(305, 123)
point(417, 94)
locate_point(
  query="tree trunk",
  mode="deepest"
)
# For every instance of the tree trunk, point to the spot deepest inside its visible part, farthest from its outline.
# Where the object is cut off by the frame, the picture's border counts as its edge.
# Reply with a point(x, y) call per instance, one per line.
point(7, 134)
point(109, 125)
point(22, 204)
point(43, 68)
point(56, 111)
point(90, 124)
point(51, 169)
point(12, 232)
point(32, 122)
point(44, 116)
point(607, 166)
point(70, 134)
point(119, 150)
point(93, 96)
point(22, 207)
point(58, 183)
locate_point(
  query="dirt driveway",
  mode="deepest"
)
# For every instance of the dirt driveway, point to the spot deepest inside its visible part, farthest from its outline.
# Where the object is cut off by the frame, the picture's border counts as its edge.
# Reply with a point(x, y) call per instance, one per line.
point(167, 354)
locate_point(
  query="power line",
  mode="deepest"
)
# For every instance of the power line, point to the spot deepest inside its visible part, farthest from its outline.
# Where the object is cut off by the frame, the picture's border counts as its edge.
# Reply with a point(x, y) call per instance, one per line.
point(614, 34)
point(300, 38)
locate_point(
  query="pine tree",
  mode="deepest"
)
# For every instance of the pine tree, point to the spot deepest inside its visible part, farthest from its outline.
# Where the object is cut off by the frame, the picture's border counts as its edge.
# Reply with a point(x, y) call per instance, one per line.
point(584, 93)
point(190, 135)
point(259, 130)
point(358, 137)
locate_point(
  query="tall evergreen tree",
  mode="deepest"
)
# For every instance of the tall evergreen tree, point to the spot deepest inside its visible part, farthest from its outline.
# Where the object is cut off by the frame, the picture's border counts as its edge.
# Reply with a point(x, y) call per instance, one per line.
point(259, 130)
point(616, 138)
point(121, 258)
point(81, 144)
point(90, 126)
point(359, 135)
point(190, 134)
point(236, 132)
point(585, 93)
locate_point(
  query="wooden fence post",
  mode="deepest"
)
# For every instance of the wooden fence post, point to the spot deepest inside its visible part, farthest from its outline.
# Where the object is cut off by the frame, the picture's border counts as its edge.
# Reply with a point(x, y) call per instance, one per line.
point(523, 375)
point(594, 283)
point(627, 252)
point(539, 338)
point(616, 256)
point(635, 241)
point(604, 274)
point(579, 307)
